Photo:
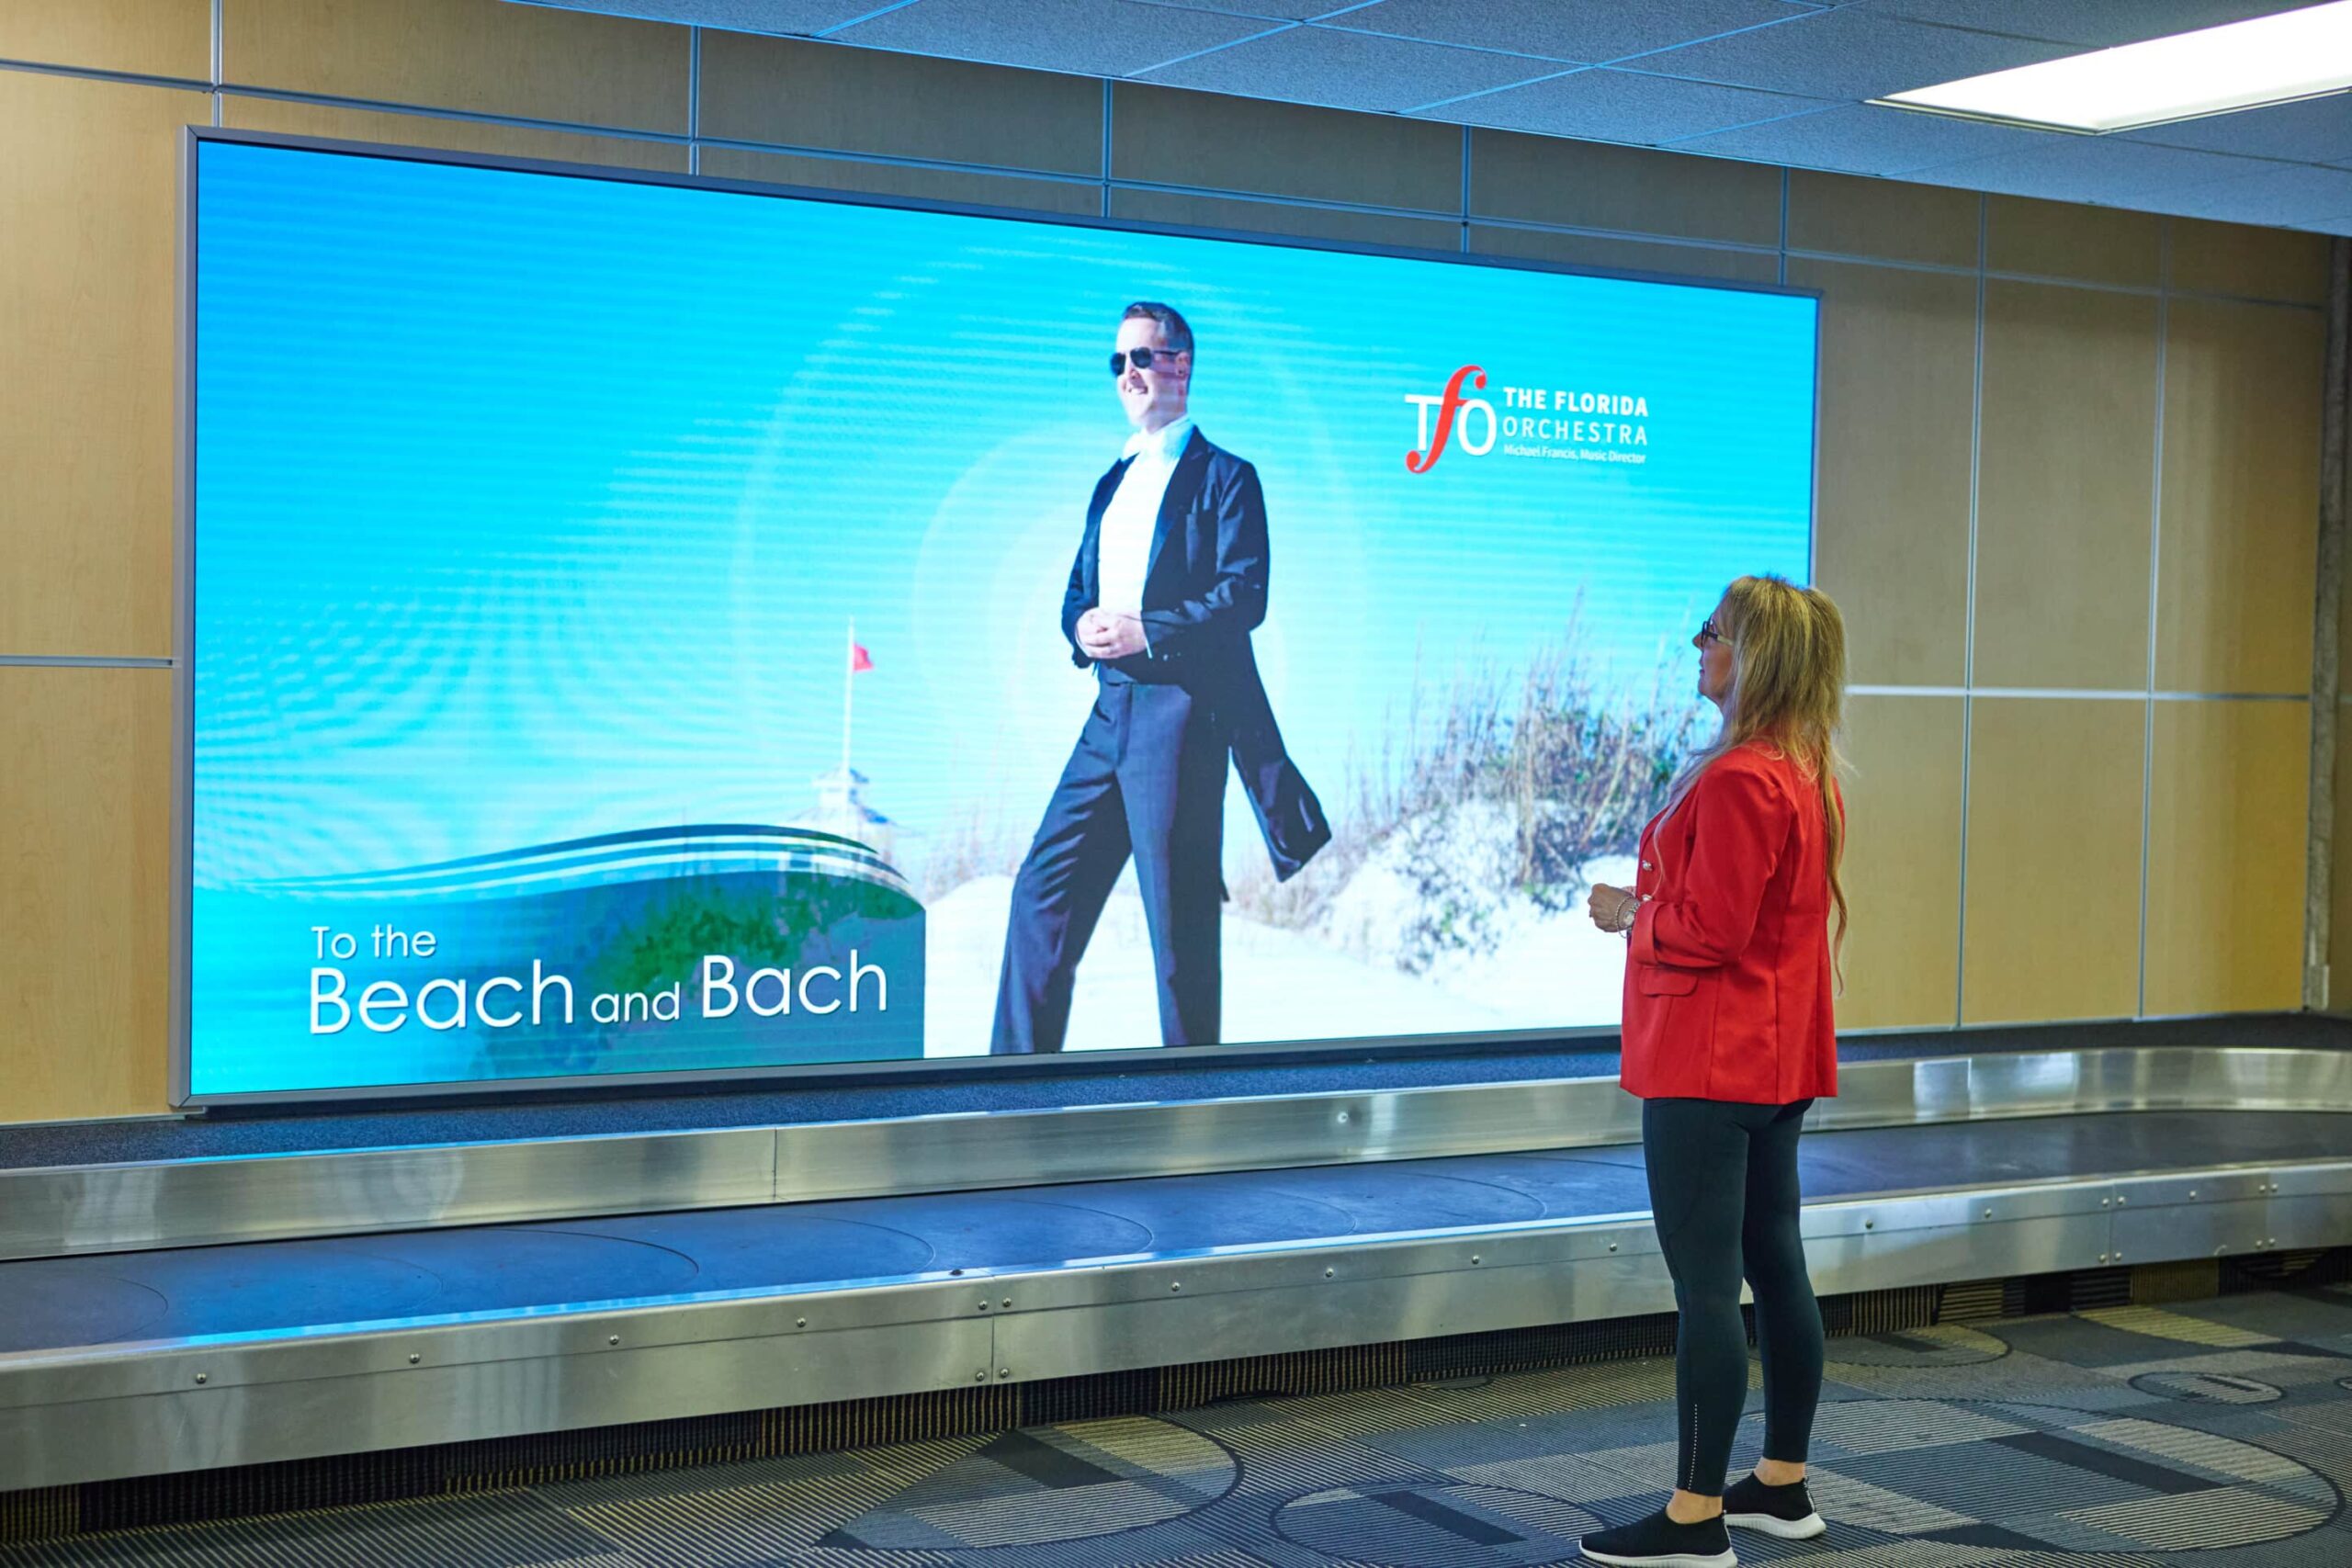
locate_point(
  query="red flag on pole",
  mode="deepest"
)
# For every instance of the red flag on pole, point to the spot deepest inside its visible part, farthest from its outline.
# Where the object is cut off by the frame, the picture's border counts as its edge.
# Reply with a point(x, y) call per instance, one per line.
point(859, 658)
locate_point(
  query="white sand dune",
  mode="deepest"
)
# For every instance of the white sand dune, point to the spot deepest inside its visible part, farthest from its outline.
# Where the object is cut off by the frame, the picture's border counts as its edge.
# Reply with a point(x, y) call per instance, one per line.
point(1546, 972)
point(1550, 971)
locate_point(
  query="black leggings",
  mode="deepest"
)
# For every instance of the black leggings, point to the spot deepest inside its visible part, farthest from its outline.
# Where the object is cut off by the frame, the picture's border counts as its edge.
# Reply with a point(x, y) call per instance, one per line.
point(1723, 1195)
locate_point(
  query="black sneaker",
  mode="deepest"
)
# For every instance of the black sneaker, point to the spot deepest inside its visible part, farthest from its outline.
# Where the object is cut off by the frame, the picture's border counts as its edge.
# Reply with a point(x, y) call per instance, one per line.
point(1784, 1511)
point(1658, 1543)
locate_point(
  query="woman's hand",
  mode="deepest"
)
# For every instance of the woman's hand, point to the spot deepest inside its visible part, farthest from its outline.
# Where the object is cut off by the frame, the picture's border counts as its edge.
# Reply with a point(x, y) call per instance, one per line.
point(1613, 907)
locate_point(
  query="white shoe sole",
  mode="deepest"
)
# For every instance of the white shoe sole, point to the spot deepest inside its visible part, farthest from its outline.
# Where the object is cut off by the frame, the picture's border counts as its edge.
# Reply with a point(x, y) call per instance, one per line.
point(1726, 1558)
point(1804, 1528)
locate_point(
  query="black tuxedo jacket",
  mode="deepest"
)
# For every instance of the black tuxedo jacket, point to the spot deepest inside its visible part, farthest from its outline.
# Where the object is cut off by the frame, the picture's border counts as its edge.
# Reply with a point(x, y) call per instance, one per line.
point(1203, 592)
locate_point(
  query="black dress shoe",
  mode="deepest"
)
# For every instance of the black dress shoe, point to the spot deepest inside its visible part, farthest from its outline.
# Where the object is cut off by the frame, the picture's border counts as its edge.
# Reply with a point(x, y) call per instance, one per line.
point(1784, 1511)
point(1658, 1543)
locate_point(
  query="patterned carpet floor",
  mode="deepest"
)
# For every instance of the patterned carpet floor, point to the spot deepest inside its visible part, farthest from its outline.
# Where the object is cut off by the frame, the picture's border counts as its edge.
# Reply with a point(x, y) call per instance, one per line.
point(2214, 1432)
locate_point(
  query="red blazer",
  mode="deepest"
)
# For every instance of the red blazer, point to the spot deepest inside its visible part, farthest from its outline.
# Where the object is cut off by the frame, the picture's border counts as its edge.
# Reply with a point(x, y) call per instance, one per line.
point(1727, 982)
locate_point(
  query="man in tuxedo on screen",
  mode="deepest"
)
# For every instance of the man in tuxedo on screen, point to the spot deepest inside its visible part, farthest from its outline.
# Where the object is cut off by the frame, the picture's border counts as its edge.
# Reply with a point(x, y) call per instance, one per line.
point(1168, 583)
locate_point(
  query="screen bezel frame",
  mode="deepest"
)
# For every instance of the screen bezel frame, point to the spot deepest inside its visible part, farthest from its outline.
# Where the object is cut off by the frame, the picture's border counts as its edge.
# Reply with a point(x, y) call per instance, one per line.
point(180, 1042)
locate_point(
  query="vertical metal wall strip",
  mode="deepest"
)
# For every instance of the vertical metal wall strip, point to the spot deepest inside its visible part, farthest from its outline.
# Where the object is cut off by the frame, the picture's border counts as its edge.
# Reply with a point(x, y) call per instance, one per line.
point(218, 7)
point(1968, 628)
point(694, 100)
point(2155, 581)
point(1782, 277)
point(1107, 85)
point(1466, 187)
point(2327, 610)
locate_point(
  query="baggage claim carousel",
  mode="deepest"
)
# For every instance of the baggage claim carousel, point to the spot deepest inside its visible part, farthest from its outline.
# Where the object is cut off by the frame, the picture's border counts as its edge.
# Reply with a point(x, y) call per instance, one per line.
point(224, 1295)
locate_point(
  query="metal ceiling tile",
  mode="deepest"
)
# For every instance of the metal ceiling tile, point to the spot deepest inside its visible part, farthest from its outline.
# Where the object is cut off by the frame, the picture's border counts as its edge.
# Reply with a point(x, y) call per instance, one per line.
point(805, 19)
point(1847, 53)
point(2094, 168)
point(1275, 10)
point(1621, 106)
point(2284, 197)
point(1090, 38)
point(1865, 139)
point(1588, 30)
point(1350, 71)
point(2316, 131)
point(1770, 81)
point(2091, 23)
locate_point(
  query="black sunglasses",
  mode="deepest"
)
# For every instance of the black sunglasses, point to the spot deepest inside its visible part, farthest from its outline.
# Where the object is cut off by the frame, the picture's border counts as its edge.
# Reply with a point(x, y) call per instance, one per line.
point(1143, 358)
point(1707, 632)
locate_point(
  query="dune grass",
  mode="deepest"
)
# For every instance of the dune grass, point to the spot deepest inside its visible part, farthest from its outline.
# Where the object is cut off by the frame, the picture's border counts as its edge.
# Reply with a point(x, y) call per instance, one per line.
point(1492, 788)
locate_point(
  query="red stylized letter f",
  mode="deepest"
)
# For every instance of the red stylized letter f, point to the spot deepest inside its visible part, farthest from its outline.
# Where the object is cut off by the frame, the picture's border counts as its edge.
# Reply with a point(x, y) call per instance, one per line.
point(1422, 462)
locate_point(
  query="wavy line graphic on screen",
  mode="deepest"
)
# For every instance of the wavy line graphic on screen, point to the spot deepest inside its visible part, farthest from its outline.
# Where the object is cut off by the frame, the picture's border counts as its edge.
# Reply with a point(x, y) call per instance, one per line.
point(613, 857)
point(709, 946)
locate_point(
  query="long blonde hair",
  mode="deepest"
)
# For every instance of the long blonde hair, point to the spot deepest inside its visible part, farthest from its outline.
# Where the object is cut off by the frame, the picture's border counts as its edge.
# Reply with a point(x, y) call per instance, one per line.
point(1788, 690)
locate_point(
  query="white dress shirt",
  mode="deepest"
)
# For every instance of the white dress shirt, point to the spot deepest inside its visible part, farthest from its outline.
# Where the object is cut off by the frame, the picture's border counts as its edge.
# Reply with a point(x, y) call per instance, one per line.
point(1124, 548)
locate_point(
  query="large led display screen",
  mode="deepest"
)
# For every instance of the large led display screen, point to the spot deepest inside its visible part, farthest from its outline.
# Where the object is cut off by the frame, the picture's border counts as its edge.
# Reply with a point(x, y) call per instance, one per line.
point(645, 628)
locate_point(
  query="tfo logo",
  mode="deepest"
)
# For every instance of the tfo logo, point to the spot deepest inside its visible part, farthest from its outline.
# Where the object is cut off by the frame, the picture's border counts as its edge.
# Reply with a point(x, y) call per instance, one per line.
point(1452, 408)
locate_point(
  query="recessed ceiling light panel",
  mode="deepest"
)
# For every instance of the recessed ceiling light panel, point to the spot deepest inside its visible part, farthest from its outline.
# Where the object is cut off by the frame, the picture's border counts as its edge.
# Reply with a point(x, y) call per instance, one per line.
point(2266, 60)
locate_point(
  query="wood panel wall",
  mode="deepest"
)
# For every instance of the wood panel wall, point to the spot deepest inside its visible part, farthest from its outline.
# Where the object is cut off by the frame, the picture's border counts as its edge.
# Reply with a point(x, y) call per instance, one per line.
point(2066, 494)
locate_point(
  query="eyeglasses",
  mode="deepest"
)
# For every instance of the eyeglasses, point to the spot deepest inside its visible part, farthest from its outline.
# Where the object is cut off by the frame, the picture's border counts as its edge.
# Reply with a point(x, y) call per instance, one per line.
point(1142, 358)
point(1707, 632)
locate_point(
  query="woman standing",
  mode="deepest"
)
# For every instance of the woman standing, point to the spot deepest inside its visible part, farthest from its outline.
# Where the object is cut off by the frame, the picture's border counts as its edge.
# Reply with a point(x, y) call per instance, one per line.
point(1728, 1040)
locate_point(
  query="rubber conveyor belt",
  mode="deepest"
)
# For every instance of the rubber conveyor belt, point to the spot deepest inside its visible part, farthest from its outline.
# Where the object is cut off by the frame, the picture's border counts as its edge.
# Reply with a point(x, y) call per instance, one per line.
point(305, 1286)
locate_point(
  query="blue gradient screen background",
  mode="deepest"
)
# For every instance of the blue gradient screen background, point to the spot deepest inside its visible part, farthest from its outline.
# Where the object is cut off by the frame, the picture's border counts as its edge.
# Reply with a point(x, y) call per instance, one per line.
point(531, 509)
